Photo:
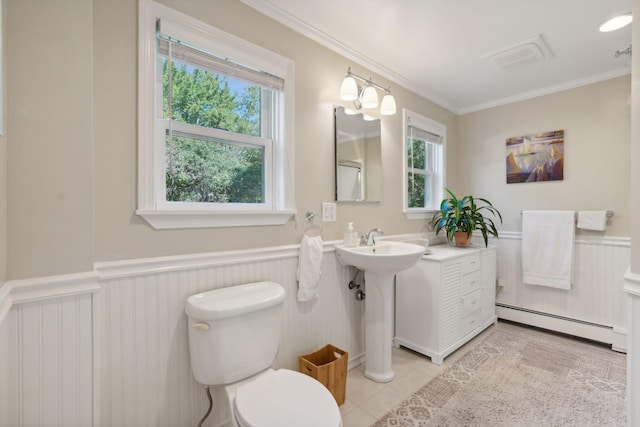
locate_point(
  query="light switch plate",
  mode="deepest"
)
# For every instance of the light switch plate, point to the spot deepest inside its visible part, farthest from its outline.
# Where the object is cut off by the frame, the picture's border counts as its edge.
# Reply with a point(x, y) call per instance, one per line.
point(329, 212)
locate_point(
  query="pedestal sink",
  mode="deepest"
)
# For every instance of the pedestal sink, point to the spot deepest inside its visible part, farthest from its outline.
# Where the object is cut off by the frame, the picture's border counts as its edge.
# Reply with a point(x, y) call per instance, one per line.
point(380, 263)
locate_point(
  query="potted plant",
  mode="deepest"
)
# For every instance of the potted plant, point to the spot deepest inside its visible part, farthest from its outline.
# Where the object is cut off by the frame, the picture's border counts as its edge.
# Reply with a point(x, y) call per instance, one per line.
point(459, 217)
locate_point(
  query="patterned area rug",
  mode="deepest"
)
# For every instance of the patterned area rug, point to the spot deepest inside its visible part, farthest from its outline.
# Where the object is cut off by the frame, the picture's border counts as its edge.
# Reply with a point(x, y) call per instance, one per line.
point(520, 376)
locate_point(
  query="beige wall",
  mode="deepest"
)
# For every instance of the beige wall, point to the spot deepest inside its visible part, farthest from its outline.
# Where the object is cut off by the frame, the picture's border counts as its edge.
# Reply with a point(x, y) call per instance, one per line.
point(71, 141)
point(49, 137)
point(3, 157)
point(120, 234)
point(596, 121)
point(71, 80)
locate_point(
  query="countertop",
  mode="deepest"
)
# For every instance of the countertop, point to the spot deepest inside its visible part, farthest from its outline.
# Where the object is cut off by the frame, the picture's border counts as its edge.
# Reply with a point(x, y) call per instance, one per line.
point(444, 252)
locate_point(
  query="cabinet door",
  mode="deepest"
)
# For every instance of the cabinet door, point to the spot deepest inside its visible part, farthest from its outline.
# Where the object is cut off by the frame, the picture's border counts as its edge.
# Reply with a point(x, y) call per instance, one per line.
point(488, 283)
point(451, 303)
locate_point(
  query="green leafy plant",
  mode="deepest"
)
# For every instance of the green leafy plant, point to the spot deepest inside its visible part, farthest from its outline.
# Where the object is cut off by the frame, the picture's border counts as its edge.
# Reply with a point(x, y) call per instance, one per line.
point(465, 215)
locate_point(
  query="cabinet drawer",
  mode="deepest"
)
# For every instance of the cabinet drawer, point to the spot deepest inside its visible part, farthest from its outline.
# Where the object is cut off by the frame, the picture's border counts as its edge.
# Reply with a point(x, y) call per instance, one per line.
point(470, 322)
point(470, 263)
point(470, 282)
point(471, 302)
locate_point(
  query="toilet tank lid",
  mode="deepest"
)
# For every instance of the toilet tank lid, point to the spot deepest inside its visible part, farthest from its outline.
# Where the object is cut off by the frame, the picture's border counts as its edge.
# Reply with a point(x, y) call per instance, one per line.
point(234, 300)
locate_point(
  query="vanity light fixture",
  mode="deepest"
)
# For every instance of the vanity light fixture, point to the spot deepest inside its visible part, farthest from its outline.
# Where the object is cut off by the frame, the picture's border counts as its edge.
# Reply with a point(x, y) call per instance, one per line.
point(616, 22)
point(366, 96)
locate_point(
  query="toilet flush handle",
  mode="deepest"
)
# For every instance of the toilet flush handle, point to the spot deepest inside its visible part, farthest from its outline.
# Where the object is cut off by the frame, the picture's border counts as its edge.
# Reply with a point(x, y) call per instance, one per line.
point(201, 325)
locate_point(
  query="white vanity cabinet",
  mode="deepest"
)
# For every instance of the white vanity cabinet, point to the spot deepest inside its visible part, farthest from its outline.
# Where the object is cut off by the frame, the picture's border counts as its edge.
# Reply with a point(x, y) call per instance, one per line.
point(446, 299)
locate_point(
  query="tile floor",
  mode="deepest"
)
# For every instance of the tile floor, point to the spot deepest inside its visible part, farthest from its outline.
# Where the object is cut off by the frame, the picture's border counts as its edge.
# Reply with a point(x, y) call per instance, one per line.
point(367, 401)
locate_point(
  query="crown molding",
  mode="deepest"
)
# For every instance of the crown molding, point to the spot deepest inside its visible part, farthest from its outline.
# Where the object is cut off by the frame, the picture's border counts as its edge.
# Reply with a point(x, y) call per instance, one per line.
point(619, 72)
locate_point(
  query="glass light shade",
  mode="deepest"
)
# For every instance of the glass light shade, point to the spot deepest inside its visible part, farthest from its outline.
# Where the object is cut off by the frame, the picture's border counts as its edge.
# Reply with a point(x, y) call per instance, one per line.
point(369, 97)
point(616, 23)
point(388, 105)
point(349, 89)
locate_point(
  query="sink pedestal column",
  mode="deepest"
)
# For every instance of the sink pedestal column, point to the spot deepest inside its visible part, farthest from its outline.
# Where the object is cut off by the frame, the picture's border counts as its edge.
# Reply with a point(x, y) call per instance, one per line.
point(378, 326)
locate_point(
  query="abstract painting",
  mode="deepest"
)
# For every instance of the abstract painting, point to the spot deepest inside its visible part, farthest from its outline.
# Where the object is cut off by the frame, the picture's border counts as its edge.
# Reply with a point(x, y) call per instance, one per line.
point(537, 157)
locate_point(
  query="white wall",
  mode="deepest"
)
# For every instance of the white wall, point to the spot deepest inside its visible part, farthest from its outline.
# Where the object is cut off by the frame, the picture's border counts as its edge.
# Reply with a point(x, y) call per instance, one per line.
point(594, 308)
point(71, 355)
point(49, 352)
point(632, 278)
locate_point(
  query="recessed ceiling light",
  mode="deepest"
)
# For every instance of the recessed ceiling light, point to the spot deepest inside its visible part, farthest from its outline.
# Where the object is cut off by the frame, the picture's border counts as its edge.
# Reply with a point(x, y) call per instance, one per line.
point(616, 22)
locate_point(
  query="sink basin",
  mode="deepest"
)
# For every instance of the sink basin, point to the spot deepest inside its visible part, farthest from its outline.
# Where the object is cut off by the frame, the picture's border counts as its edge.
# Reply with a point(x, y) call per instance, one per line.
point(379, 263)
point(383, 256)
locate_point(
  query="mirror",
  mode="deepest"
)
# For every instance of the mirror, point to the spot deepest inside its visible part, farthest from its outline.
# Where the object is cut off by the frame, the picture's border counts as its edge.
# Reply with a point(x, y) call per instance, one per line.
point(358, 157)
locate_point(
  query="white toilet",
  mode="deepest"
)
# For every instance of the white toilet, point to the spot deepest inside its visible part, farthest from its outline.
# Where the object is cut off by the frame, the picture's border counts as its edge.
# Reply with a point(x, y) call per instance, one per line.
point(234, 335)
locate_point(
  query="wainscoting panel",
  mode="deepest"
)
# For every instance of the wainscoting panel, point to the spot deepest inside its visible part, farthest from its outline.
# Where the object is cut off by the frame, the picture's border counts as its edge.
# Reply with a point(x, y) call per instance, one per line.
point(110, 347)
point(632, 288)
point(146, 375)
point(46, 363)
point(596, 296)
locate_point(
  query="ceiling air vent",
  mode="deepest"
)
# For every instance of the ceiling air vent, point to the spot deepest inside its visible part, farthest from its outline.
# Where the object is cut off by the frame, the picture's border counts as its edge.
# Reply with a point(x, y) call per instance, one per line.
point(525, 52)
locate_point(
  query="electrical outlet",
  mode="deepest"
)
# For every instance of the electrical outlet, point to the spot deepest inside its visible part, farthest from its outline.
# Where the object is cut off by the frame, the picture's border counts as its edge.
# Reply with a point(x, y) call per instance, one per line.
point(329, 212)
point(502, 285)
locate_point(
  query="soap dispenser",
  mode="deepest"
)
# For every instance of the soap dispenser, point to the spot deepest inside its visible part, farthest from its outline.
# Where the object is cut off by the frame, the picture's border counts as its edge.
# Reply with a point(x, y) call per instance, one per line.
point(350, 236)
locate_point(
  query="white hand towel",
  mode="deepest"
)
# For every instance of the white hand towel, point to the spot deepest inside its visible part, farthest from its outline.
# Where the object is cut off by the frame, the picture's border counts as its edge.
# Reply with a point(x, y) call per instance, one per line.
point(309, 267)
point(592, 220)
point(547, 248)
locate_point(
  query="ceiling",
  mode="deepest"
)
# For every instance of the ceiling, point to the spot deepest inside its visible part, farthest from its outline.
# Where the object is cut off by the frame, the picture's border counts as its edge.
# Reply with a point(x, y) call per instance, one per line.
point(438, 48)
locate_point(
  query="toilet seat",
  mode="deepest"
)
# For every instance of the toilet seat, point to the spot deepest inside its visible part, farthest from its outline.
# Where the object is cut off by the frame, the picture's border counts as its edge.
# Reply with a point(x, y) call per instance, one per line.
point(285, 398)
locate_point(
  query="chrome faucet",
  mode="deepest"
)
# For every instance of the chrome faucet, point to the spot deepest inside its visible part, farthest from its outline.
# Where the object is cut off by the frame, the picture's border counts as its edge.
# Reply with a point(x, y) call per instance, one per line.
point(368, 240)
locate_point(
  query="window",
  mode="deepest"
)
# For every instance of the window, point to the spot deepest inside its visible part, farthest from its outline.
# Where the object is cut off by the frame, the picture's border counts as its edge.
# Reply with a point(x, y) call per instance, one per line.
point(215, 120)
point(423, 165)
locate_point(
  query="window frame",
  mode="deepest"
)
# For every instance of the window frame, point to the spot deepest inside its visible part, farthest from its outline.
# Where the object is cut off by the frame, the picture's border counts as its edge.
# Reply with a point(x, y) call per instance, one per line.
point(434, 127)
point(278, 206)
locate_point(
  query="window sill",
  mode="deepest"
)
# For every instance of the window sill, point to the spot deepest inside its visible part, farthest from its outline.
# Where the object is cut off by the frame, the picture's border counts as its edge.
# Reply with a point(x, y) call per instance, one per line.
point(165, 220)
point(420, 214)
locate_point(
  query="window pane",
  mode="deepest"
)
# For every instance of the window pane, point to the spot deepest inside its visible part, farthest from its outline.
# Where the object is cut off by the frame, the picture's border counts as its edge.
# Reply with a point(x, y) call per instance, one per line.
point(430, 157)
point(416, 154)
point(201, 97)
point(200, 170)
point(417, 194)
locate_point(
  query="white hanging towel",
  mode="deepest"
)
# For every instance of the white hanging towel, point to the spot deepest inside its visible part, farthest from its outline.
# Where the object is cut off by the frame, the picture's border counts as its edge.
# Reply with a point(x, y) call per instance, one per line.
point(547, 248)
point(592, 220)
point(309, 267)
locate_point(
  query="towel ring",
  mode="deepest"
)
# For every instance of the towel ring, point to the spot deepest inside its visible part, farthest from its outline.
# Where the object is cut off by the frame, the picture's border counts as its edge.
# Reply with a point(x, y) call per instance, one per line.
point(310, 228)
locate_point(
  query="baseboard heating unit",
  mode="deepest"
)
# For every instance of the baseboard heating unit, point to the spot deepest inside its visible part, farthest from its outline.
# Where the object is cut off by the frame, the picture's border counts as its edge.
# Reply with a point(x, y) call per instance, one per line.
point(617, 337)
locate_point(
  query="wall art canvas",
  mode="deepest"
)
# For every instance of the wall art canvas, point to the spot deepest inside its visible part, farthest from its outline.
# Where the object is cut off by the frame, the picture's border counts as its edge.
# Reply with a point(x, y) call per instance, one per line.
point(537, 157)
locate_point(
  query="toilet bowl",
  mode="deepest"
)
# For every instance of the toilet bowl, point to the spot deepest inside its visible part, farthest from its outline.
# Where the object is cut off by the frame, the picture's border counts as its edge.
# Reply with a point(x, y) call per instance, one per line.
point(234, 336)
point(282, 398)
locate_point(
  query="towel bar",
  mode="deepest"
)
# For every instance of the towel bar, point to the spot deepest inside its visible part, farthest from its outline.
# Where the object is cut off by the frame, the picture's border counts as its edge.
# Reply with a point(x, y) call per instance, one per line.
point(609, 213)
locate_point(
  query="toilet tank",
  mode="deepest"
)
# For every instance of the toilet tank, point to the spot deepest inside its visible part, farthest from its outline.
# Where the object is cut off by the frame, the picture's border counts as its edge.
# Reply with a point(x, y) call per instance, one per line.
point(234, 332)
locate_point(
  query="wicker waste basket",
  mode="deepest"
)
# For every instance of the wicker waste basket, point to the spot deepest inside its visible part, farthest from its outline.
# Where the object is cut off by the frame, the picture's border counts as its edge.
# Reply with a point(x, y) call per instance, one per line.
point(329, 366)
